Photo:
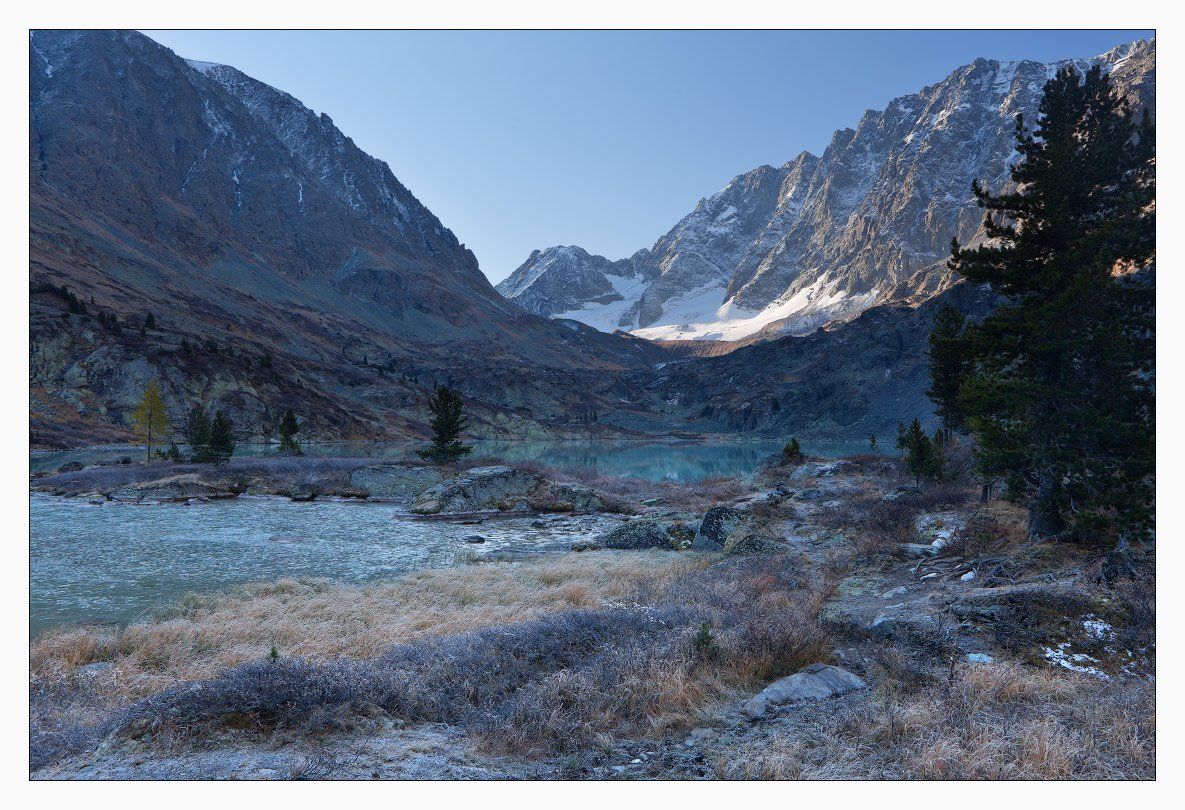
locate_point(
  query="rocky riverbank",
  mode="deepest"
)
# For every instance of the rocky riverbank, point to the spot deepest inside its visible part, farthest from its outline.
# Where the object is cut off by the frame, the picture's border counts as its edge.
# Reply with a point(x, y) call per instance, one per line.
point(822, 620)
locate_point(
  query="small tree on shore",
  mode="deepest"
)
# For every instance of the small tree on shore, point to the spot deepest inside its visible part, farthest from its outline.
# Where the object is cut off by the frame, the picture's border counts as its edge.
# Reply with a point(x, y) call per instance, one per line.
point(288, 430)
point(197, 434)
point(792, 452)
point(448, 420)
point(222, 438)
point(149, 419)
point(923, 455)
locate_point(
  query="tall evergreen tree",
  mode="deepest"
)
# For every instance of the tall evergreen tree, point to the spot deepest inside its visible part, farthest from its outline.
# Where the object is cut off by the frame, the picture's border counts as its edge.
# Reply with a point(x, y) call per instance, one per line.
point(149, 419)
point(222, 438)
point(288, 431)
point(1058, 387)
point(197, 434)
point(447, 422)
point(947, 368)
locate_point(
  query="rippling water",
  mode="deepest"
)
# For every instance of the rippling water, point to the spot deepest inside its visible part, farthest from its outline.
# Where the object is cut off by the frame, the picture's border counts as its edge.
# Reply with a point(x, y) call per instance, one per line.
point(116, 562)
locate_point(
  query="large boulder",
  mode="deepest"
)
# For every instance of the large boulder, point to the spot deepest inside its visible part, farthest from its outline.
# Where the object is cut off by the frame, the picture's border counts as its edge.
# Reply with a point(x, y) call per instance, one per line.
point(744, 542)
point(480, 489)
point(566, 497)
point(815, 682)
point(637, 534)
point(395, 481)
point(717, 524)
point(177, 488)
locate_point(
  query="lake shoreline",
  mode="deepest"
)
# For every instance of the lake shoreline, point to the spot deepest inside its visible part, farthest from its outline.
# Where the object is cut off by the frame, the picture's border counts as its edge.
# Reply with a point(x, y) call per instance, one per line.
point(625, 662)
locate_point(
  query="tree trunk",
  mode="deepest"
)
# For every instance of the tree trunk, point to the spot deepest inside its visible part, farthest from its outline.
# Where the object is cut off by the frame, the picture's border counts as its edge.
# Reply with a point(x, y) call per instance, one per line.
point(1045, 516)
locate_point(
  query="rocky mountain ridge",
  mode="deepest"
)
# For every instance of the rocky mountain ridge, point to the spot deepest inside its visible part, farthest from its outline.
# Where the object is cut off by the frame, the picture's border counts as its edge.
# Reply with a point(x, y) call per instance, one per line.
point(284, 267)
point(820, 239)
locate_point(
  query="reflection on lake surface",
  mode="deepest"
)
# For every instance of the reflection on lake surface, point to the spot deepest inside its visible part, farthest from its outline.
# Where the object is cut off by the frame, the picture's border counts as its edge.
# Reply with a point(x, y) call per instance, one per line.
point(652, 460)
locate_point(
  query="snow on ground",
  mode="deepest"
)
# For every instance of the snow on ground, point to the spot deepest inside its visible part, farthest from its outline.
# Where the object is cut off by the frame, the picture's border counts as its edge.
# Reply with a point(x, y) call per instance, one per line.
point(202, 67)
point(607, 317)
point(702, 315)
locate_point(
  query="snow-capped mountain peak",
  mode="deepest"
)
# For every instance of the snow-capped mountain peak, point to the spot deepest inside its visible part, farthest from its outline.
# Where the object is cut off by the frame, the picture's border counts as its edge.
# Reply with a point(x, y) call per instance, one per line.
point(820, 239)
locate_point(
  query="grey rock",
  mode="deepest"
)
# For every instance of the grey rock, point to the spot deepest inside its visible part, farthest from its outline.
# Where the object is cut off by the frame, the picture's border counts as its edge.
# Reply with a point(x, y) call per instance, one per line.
point(742, 542)
point(637, 534)
point(715, 527)
point(568, 497)
point(586, 545)
point(302, 492)
point(474, 538)
point(480, 489)
point(979, 658)
point(910, 623)
point(175, 488)
point(917, 550)
point(898, 591)
point(395, 481)
point(70, 466)
point(939, 529)
point(815, 682)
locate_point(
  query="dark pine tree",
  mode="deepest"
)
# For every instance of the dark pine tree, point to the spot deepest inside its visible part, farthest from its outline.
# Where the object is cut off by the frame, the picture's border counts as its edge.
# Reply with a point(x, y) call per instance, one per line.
point(947, 368)
point(447, 422)
point(288, 430)
point(197, 435)
point(222, 438)
point(1058, 386)
point(149, 321)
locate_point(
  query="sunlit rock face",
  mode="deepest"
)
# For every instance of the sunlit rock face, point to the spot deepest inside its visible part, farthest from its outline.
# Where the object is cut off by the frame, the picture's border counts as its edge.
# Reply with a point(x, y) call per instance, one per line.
point(786, 250)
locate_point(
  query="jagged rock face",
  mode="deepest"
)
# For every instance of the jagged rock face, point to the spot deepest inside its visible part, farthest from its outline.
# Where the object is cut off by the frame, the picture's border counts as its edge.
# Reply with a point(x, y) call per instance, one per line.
point(238, 217)
point(821, 239)
point(858, 378)
point(559, 279)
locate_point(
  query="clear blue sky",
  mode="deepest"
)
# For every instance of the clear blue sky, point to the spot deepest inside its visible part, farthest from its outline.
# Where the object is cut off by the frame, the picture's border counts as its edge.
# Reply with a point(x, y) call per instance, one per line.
point(522, 140)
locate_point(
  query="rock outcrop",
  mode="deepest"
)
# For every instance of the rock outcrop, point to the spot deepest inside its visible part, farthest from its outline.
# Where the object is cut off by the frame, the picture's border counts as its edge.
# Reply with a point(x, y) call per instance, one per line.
point(815, 682)
point(638, 534)
point(717, 524)
point(504, 489)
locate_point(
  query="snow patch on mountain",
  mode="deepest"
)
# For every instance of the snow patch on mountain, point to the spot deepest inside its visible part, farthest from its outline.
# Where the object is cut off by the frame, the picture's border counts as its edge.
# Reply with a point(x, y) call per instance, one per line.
point(786, 250)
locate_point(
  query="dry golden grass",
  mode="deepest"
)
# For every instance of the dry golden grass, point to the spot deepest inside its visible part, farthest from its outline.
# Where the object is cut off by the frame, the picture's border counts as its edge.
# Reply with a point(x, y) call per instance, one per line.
point(314, 619)
point(1003, 721)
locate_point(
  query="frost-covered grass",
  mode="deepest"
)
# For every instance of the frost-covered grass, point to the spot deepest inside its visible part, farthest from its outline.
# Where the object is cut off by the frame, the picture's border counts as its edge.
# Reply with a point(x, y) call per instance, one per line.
point(526, 657)
point(997, 721)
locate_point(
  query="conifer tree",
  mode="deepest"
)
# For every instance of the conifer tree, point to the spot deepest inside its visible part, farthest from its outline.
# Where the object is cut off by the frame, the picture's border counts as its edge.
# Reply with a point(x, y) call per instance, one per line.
point(288, 431)
point(197, 434)
point(447, 422)
point(947, 368)
point(792, 451)
point(922, 458)
point(149, 321)
point(1058, 383)
point(149, 419)
point(222, 438)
